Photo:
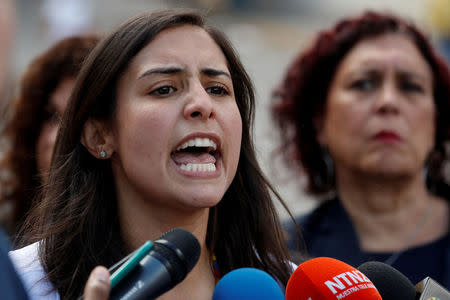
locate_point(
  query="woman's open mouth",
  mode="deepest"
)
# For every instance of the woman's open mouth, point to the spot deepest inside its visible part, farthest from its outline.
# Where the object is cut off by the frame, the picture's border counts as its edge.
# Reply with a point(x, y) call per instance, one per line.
point(197, 155)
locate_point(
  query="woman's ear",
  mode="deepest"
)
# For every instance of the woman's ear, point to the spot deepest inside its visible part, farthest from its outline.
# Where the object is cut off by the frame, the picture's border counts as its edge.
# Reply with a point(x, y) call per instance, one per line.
point(98, 138)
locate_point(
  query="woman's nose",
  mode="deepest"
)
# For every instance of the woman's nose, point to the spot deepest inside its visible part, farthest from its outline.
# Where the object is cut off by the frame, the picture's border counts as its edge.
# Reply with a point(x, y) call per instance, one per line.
point(199, 104)
point(388, 99)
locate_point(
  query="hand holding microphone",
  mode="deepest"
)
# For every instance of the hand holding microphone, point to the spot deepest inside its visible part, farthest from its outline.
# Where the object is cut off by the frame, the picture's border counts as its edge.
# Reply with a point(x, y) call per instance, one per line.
point(173, 255)
point(98, 285)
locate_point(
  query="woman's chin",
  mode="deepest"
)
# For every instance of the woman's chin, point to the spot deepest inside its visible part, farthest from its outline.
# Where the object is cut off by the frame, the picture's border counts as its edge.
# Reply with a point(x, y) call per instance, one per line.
point(392, 172)
point(195, 202)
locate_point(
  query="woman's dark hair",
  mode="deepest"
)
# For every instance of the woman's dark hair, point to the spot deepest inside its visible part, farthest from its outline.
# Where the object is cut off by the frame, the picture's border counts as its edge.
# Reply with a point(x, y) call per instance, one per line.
point(63, 60)
point(301, 97)
point(77, 220)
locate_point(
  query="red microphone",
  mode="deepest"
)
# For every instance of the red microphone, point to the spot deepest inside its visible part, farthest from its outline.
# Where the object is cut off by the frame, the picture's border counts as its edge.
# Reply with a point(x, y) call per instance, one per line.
point(325, 278)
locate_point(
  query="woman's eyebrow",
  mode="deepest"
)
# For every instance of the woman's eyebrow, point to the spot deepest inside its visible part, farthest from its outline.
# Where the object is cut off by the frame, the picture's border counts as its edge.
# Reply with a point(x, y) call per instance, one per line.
point(174, 70)
point(214, 72)
point(164, 70)
point(413, 75)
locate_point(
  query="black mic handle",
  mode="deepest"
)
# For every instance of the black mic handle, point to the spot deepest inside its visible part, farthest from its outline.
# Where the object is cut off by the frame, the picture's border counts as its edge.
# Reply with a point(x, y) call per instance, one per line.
point(148, 280)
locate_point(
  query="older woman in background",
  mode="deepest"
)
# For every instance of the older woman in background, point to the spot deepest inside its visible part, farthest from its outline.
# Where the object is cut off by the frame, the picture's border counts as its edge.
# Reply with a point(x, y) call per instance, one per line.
point(365, 113)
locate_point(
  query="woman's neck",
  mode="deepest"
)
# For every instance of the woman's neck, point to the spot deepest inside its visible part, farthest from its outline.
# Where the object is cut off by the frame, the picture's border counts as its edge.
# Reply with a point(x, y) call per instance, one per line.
point(198, 284)
point(392, 215)
point(146, 222)
point(140, 223)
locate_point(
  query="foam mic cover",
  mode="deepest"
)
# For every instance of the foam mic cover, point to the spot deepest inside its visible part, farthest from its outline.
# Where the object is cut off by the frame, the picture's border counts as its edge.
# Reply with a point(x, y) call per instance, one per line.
point(390, 283)
point(172, 257)
point(247, 284)
point(326, 278)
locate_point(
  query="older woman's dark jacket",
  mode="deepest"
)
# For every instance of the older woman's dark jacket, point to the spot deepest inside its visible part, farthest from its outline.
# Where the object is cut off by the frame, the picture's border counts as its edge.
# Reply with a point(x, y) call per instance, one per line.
point(328, 231)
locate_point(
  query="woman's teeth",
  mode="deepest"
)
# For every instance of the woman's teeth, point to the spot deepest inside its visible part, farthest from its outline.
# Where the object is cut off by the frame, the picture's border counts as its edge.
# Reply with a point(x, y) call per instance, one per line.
point(198, 142)
point(198, 167)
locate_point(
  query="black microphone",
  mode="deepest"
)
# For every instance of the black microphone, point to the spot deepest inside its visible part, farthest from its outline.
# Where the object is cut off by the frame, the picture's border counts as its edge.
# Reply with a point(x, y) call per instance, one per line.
point(390, 283)
point(394, 285)
point(173, 255)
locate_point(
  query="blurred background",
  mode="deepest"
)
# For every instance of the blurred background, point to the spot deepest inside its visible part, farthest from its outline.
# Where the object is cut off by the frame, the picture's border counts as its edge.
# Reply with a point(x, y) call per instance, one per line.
point(266, 33)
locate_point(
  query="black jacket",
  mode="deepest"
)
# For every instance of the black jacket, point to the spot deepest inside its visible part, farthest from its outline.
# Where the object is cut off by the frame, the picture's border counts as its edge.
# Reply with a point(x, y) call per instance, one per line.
point(328, 231)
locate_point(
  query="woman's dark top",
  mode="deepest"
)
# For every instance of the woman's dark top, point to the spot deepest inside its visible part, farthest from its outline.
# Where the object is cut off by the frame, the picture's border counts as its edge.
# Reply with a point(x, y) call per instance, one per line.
point(328, 231)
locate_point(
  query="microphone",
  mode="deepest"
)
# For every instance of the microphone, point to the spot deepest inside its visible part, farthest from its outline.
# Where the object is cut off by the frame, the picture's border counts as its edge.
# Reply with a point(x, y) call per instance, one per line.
point(247, 284)
point(172, 256)
point(430, 289)
point(390, 283)
point(328, 278)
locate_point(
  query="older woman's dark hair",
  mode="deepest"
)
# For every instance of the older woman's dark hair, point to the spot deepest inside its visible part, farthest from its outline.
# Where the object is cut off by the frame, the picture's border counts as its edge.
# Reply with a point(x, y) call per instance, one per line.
point(63, 60)
point(300, 98)
point(77, 220)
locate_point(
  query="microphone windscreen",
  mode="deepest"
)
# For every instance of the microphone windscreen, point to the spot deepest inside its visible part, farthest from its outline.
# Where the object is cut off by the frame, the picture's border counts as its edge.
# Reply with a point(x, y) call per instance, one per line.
point(172, 257)
point(181, 249)
point(390, 283)
point(328, 278)
point(247, 284)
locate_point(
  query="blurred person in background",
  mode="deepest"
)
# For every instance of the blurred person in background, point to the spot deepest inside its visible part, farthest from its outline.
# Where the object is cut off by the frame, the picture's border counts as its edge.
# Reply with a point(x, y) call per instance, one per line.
point(157, 136)
point(364, 112)
point(44, 92)
point(10, 284)
point(97, 286)
point(7, 27)
point(439, 15)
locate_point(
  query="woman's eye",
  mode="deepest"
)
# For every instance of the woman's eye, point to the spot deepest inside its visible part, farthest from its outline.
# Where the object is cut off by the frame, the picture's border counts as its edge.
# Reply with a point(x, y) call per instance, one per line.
point(217, 90)
point(164, 90)
point(363, 85)
point(411, 87)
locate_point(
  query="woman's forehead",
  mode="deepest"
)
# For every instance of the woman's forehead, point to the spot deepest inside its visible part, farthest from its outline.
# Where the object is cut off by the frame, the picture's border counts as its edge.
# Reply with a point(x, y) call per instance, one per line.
point(386, 51)
point(181, 46)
